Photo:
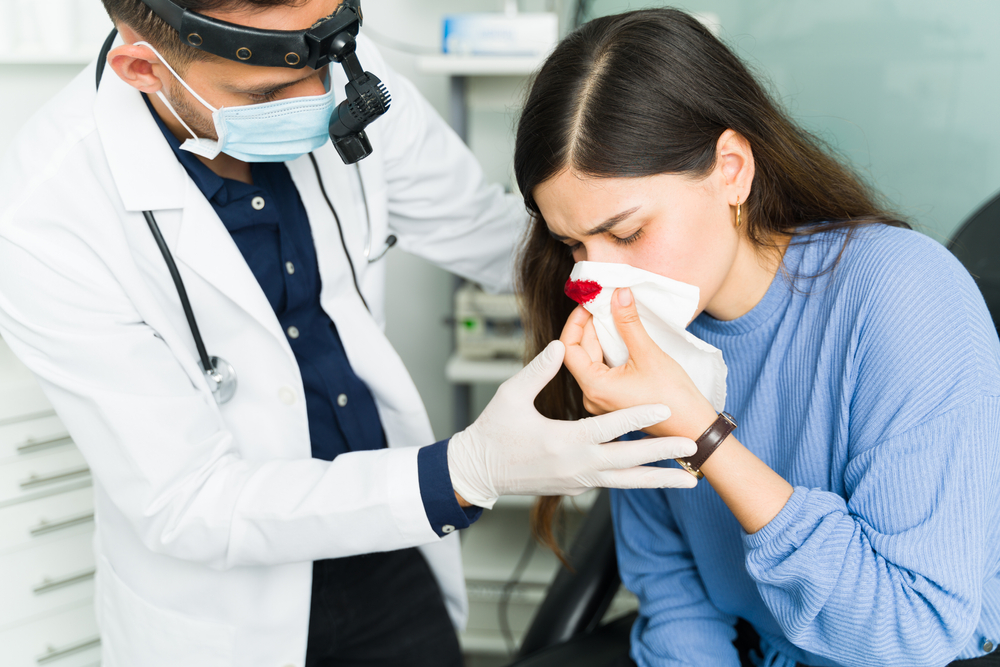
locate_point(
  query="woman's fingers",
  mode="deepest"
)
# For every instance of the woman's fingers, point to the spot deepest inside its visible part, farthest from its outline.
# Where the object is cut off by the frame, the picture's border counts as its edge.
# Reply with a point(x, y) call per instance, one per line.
point(580, 339)
point(627, 321)
point(590, 343)
point(572, 333)
point(584, 358)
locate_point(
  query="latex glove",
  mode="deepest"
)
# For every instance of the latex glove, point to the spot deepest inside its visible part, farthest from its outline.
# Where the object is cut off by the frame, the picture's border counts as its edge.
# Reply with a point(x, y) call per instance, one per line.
point(513, 450)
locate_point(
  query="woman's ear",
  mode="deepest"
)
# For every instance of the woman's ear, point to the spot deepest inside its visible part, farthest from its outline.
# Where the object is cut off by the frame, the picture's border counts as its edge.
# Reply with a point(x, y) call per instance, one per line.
point(134, 64)
point(734, 158)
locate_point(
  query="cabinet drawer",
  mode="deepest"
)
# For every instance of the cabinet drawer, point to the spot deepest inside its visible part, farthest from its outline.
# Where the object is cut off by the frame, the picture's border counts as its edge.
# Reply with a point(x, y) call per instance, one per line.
point(20, 397)
point(68, 638)
point(46, 470)
point(35, 433)
point(40, 521)
point(41, 579)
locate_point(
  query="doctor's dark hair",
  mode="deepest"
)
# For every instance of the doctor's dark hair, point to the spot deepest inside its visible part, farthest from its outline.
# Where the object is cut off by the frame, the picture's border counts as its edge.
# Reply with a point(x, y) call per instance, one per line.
point(138, 16)
point(650, 92)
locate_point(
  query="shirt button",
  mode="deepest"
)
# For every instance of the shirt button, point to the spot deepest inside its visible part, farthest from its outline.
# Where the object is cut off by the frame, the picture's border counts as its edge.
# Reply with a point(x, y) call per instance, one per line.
point(987, 646)
point(448, 529)
point(293, 332)
point(342, 400)
point(286, 395)
point(257, 203)
point(290, 268)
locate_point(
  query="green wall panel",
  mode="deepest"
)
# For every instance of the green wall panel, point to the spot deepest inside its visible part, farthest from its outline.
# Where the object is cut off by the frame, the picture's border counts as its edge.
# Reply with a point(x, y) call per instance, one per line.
point(908, 90)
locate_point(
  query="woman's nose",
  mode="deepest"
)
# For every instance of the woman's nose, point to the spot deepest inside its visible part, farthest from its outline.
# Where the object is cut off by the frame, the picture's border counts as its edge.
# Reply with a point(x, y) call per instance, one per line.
point(597, 252)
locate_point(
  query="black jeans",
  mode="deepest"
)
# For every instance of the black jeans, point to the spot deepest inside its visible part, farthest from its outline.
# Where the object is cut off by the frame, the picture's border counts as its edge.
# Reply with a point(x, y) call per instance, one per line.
point(379, 610)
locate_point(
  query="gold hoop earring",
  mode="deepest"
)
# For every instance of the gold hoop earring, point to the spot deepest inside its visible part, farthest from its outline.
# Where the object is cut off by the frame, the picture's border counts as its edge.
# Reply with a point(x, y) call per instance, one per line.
point(737, 214)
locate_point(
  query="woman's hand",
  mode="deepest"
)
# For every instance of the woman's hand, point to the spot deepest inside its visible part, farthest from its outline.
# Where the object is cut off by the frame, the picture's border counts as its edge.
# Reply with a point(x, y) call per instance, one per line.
point(649, 375)
point(752, 491)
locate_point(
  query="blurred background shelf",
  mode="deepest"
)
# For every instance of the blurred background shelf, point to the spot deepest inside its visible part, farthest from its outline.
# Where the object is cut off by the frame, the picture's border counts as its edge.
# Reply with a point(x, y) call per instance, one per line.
point(453, 65)
point(469, 371)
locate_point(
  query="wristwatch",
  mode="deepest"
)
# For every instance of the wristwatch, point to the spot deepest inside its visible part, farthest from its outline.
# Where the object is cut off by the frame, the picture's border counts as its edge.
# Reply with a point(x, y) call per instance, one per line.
point(708, 442)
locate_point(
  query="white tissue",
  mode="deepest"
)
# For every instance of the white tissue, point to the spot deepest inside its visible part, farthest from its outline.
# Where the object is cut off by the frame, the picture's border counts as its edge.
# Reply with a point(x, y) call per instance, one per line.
point(665, 308)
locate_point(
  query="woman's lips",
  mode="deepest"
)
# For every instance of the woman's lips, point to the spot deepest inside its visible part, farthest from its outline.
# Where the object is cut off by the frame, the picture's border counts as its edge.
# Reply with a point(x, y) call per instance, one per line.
point(582, 291)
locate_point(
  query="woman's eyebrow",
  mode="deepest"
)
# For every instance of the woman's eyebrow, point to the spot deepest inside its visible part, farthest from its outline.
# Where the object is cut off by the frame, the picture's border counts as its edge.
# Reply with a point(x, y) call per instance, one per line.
point(605, 226)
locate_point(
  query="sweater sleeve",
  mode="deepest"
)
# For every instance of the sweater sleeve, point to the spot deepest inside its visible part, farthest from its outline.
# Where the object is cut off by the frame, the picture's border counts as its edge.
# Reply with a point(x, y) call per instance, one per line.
point(890, 568)
point(899, 567)
point(678, 624)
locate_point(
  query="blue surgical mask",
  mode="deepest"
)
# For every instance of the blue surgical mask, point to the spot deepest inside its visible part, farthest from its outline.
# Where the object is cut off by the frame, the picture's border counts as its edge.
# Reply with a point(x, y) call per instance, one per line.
point(272, 132)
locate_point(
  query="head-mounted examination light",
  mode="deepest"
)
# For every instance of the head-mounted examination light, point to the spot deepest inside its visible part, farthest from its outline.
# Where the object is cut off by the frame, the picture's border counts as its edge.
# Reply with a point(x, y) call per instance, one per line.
point(330, 40)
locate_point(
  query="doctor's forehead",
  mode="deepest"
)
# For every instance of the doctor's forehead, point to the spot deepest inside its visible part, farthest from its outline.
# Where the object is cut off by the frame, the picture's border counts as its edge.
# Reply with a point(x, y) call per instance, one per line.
point(243, 78)
point(280, 16)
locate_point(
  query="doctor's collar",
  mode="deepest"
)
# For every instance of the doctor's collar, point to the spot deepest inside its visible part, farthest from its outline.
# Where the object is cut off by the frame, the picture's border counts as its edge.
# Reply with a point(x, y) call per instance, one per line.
point(210, 183)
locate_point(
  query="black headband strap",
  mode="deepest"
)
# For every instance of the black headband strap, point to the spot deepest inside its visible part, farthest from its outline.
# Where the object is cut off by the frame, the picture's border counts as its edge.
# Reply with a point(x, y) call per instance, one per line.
point(271, 48)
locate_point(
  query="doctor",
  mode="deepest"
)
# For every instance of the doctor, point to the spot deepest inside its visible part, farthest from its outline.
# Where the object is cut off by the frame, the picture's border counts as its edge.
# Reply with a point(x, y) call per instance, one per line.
point(309, 519)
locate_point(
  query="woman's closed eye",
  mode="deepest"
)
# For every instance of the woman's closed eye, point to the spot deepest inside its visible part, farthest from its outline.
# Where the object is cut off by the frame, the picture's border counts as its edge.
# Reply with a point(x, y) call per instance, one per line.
point(626, 241)
point(629, 240)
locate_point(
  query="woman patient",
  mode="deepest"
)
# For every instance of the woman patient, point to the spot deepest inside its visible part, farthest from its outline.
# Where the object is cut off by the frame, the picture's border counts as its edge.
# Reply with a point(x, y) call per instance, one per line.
point(853, 516)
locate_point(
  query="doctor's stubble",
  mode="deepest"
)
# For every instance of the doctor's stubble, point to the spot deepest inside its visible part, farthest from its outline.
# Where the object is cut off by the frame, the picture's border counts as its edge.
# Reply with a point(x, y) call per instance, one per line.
point(188, 110)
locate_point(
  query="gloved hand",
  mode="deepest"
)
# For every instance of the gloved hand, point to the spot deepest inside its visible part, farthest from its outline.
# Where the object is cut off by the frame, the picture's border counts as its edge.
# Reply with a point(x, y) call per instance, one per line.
point(513, 450)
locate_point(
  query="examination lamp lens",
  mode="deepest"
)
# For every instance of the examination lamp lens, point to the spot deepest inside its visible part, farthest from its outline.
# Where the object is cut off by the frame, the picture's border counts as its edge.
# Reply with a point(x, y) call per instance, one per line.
point(352, 148)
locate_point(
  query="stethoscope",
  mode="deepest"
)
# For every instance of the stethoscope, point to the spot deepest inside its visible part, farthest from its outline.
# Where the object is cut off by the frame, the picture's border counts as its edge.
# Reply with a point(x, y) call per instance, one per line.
point(220, 373)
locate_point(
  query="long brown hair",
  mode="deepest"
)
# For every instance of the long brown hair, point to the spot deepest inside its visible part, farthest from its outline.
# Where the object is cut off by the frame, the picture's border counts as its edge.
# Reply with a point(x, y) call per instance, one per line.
point(650, 92)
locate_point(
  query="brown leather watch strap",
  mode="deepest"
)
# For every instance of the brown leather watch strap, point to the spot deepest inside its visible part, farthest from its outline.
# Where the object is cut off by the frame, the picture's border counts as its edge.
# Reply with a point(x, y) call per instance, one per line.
point(708, 442)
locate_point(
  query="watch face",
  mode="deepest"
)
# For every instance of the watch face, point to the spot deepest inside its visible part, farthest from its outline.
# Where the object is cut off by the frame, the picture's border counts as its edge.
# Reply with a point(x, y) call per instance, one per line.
point(729, 418)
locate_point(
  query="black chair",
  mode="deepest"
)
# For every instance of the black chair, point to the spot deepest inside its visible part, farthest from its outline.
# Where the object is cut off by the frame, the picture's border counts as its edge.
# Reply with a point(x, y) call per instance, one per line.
point(977, 245)
point(566, 629)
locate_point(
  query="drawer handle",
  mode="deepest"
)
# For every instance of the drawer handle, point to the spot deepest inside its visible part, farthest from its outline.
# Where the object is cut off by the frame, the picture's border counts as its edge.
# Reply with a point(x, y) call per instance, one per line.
point(30, 445)
point(54, 653)
point(49, 585)
point(27, 417)
point(60, 476)
point(45, 527)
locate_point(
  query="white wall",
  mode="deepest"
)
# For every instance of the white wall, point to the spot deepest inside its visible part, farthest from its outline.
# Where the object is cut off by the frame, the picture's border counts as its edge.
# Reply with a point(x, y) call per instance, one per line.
point(419, 298)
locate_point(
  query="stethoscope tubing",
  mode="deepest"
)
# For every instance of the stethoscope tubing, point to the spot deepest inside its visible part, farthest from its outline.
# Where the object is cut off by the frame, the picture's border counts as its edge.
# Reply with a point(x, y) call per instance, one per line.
point(389, 241)
point(181, 291)
point(218, 370)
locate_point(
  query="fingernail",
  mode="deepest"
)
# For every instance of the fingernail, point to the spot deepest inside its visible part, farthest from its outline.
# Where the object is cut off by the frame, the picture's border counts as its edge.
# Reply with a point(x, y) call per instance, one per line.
point(624, 297)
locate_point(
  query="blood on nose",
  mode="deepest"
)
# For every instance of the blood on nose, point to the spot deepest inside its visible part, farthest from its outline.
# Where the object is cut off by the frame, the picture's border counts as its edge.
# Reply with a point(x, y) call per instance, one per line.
point(582, 291)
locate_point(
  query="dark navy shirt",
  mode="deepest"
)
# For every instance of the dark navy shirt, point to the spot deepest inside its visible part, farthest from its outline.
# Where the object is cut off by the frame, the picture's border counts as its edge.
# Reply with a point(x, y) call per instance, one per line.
point(269, 225)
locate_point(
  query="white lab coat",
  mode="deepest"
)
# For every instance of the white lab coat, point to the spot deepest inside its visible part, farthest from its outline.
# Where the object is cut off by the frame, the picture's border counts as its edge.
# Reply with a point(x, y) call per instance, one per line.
point(209, 517)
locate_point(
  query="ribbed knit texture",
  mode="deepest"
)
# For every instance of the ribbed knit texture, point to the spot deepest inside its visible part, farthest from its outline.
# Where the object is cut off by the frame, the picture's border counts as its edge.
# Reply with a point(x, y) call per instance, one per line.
point(874, 389)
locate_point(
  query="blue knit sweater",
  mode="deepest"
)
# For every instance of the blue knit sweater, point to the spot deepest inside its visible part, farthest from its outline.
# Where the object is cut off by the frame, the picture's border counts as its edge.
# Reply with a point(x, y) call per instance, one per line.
point(874, 389)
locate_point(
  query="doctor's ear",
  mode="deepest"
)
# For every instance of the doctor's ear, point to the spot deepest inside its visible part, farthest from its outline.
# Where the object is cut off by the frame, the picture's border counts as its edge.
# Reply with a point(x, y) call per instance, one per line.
point(734, 159)
point(134, 64)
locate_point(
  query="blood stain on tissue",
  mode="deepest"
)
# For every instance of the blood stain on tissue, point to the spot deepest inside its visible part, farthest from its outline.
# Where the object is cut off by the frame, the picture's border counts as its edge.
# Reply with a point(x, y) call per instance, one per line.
point(582, 291)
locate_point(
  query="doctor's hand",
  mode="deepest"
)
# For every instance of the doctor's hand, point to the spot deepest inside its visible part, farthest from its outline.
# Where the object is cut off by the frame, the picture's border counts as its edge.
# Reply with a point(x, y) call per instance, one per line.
point(649, 376)
point(513, 450)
